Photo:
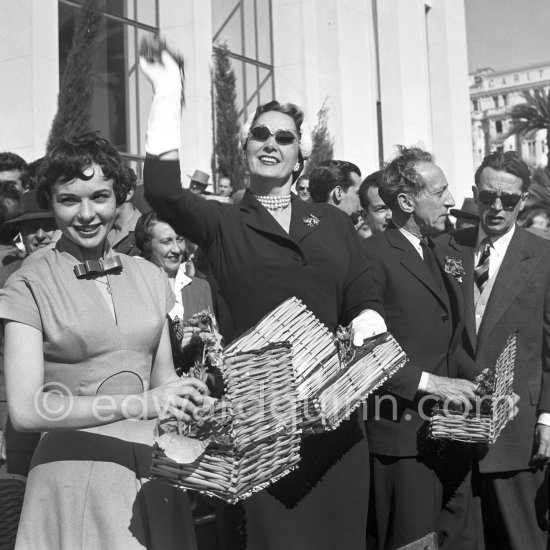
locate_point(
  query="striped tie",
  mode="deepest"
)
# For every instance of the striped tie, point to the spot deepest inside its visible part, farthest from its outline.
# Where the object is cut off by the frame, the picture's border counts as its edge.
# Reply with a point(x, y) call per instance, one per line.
point(481, 271)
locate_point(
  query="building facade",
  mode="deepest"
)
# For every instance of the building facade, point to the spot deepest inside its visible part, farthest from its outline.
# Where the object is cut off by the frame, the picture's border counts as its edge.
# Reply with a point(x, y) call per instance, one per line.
point(492, 94)
point(390, 71)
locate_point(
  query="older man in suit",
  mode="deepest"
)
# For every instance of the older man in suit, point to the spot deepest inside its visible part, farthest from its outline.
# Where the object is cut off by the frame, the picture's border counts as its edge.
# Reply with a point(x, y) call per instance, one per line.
point(422, 306)
point(507, 288)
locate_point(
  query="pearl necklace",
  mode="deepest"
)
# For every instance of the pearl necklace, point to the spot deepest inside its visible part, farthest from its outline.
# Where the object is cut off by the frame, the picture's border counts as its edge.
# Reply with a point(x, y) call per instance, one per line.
point(273, 202)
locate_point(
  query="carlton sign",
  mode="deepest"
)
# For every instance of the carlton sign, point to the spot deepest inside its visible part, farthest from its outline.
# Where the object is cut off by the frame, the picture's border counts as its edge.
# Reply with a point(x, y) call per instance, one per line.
point(526, 77)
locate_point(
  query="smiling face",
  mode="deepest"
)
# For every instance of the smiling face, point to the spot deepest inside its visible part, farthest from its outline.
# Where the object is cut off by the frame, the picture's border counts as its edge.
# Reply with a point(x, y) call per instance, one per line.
point(495, 220)
point(166, 248)
point(268, 161)
point(431, 205)
point(37, 233)
point(85, 210)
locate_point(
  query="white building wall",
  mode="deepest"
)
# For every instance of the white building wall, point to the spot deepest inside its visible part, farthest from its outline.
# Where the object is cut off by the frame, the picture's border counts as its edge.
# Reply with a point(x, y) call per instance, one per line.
point(30, 75)
point(187, 25)
point(450, 105)
point(324, 51)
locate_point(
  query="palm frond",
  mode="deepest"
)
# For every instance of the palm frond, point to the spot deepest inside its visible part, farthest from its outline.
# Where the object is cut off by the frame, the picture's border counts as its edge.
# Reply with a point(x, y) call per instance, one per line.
point(532, 115)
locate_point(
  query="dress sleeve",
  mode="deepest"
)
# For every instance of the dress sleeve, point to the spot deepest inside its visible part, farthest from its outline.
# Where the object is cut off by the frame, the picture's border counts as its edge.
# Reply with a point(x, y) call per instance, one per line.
point(192, 217)
point(17, 303)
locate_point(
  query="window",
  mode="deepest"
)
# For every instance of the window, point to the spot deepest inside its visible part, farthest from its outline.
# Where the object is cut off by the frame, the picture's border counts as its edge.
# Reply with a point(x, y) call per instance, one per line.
point(245, 26)
point(498, 126)
point(121, 94)
point(475, 105)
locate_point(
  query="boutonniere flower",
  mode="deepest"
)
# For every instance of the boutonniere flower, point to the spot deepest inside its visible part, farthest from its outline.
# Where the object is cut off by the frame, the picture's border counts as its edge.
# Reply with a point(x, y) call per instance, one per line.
point(311, 220)
point(453, 266)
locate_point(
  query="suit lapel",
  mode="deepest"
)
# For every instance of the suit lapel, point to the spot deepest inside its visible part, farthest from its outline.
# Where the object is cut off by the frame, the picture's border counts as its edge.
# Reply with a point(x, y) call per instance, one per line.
point(303, 220)
point(516, 267)
point(258, 218)
point(412, 262)
point(464, 244)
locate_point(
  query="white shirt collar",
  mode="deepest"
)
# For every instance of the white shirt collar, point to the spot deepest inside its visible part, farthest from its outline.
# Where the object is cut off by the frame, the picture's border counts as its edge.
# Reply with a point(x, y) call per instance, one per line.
point(413, 239)
point(499, 244)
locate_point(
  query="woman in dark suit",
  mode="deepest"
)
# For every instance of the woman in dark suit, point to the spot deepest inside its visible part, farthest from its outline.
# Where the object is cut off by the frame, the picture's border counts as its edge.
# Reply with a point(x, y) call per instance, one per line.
point(262, 251)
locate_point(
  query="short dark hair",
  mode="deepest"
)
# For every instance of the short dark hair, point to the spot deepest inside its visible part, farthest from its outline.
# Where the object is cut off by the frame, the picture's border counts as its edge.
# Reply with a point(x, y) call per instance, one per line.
point(9, 209)
point(144, 232)
point(129, 179)
point(400, 174)
point(509, 162)
point(71, 157)
point(11, 161)
point(372, 180)
point(331, 174)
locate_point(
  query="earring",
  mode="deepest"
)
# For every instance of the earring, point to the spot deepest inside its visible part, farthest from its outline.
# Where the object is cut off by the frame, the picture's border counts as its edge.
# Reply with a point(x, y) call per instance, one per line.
point(296, 167)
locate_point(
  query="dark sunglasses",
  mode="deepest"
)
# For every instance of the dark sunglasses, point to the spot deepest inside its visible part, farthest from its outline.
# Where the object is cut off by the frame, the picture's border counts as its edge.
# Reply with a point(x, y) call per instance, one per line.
point(508, 200)
point(282, 136)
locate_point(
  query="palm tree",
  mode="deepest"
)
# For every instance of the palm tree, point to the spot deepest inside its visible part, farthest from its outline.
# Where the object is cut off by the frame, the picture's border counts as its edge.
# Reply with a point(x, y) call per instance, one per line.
point(532, 115)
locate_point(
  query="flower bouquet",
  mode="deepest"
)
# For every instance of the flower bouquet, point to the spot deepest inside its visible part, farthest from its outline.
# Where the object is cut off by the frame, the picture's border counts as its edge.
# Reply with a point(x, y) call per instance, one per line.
point(491, 411)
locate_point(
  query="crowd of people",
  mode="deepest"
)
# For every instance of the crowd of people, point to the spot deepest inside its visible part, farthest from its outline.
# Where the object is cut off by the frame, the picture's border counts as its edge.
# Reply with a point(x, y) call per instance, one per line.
point(100, 277)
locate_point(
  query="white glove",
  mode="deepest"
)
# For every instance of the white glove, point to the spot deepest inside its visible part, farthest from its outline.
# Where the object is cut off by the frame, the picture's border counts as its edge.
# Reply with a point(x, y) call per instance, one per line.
point(366, 324)
point(164, 125)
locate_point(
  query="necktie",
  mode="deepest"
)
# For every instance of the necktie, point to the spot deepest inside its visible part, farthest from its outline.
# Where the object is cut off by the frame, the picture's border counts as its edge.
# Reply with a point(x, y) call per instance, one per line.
point(97, 267)
point(430, 261)
point(481, 271)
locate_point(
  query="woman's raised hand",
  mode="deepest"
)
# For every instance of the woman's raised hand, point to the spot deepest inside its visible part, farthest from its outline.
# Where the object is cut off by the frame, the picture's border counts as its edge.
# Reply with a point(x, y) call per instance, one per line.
point(165, 71)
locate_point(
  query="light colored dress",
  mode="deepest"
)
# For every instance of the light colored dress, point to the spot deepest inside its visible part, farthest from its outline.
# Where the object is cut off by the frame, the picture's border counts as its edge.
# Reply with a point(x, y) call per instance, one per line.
point(87, 488)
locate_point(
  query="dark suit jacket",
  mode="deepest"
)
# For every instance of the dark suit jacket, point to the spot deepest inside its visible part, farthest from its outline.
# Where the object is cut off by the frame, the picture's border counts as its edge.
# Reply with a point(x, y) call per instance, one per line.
point(426, 323)
point(195, 297)
point(256, 263)
point(519, 300)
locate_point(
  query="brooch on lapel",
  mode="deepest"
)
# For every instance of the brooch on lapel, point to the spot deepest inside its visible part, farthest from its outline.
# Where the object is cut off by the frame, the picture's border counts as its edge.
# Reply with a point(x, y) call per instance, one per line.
point(453, 266)
point(311, 220)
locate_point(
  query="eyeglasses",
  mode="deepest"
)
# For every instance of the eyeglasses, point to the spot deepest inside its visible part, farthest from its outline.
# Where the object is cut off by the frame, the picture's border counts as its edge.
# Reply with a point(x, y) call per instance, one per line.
point(508, 200)
point(282, 135)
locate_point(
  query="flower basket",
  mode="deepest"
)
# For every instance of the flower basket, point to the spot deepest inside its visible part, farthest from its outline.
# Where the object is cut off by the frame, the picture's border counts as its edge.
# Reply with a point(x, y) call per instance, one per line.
point(333, 377)
point(249, 439)
point(490, 414)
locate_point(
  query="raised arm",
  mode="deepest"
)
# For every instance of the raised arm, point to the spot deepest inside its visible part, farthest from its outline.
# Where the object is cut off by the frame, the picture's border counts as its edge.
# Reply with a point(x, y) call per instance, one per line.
point(191, 216)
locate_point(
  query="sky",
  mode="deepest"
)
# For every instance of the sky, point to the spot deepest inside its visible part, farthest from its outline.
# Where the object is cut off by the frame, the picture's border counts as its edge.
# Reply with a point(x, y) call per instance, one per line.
point(507, 34)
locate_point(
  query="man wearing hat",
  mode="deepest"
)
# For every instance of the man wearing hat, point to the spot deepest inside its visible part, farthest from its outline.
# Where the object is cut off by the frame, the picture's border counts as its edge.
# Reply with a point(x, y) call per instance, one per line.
point(37, 226)
point(467, 216)
point(199, 182)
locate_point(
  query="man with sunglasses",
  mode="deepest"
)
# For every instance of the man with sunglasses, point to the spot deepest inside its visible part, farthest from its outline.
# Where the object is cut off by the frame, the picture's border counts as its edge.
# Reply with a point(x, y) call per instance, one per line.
point(506, 287)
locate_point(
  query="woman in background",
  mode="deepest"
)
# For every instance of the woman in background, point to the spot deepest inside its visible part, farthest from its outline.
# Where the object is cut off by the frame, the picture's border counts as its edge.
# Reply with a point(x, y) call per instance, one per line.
point(159, 244)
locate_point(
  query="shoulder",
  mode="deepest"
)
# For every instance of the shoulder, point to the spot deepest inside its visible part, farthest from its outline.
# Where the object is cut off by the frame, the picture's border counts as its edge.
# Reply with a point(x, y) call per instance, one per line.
point(376, 242)
point(145, 269)
point(535, 242)
point(36, 267)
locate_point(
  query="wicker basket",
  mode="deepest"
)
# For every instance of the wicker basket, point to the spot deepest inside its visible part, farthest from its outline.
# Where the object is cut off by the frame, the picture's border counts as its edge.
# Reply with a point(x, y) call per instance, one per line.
point(490, 414)
point(333, 378)
point(257, 440)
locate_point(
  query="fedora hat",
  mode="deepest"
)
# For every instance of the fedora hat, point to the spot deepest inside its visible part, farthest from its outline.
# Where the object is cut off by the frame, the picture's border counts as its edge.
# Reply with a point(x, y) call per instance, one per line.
point(200, 177)
point(29, 209)
point(468, 210)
